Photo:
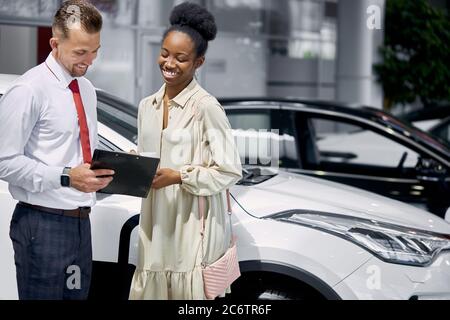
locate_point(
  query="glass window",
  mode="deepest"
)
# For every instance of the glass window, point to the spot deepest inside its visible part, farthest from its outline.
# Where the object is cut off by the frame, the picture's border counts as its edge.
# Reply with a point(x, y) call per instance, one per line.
point(122, 12)
point(262, 140)
point(104, 144)
point(119, 121)
point(29, 8)
point(252, 136)
point(250, 121)
point(342, 142)
point(239, 16)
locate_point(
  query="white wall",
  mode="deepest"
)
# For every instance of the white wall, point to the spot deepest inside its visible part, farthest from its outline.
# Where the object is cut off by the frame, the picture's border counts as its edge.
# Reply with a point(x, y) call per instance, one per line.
point(235, 67)
point(18, 49)
point(114, 68)
point(301, 78)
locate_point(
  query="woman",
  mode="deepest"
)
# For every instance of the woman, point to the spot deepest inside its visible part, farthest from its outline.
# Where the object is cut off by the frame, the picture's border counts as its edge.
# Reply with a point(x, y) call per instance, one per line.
point(188, 128)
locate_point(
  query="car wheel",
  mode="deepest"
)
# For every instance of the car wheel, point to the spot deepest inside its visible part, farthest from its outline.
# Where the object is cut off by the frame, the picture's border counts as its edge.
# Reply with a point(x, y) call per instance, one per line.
point(266, 286)
point(274, 294)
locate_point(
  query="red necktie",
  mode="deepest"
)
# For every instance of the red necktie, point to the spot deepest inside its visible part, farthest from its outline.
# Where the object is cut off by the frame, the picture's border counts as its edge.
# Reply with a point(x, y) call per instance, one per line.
point(84, 131)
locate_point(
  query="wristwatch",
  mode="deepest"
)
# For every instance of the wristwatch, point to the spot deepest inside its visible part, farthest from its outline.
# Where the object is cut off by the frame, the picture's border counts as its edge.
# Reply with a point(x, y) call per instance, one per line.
point(65, 177)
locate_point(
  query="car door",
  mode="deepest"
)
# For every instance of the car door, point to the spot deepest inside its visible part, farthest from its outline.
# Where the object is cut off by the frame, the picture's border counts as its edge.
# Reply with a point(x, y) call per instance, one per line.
point(356, 153)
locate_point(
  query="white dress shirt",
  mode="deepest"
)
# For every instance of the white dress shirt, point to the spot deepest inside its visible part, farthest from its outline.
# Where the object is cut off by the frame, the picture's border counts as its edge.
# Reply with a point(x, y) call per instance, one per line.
point(40, 136)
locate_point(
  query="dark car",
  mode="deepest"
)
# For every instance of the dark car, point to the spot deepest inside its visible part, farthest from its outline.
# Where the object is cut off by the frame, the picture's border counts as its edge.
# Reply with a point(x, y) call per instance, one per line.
point(437, 112)
point(433, 119)
point(359, 146)
point(442, 130)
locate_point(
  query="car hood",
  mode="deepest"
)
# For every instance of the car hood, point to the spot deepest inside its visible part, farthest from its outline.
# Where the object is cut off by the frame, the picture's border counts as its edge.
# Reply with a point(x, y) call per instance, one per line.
point(287, 191)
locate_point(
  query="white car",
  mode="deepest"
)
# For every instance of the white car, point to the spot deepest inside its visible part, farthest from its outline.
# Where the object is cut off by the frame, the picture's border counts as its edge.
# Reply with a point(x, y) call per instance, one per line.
point(298, 237)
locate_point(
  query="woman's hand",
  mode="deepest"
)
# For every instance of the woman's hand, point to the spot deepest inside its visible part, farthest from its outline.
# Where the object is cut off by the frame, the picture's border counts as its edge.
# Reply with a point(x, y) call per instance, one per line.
point(165, 177)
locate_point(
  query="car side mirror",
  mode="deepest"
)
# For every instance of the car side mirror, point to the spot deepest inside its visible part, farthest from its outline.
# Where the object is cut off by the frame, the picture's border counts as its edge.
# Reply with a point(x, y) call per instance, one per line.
point(447, 215)
point(430, 168)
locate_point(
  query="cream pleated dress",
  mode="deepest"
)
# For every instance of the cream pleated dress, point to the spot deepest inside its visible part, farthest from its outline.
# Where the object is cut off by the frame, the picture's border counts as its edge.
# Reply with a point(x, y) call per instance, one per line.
point(199, 144)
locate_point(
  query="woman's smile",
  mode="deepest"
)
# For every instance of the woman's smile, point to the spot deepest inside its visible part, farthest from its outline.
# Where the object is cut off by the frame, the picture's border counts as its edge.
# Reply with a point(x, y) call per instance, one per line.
point(169, 74)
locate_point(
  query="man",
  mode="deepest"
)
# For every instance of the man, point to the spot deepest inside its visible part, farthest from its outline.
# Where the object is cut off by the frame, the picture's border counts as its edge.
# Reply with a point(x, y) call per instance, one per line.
point(48, 131)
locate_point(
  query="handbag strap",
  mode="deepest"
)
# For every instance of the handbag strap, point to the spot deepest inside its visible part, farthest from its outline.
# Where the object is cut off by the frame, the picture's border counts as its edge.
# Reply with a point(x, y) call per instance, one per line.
point(202, 199)
point(201, 209)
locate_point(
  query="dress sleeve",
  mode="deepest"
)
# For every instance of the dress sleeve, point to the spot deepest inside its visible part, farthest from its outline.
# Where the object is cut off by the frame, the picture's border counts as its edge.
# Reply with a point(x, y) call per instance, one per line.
point(223, 168)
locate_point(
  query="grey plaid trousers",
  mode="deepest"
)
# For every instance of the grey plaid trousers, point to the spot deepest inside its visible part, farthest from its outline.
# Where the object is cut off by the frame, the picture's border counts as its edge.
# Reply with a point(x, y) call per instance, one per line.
point(52, 253)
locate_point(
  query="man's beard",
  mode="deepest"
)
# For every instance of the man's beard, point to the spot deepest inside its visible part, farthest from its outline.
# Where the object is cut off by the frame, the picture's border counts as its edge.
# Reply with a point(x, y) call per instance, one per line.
point(75, 73)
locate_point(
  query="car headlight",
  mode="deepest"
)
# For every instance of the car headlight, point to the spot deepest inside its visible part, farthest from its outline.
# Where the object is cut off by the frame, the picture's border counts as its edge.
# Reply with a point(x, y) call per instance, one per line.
point(391, 243)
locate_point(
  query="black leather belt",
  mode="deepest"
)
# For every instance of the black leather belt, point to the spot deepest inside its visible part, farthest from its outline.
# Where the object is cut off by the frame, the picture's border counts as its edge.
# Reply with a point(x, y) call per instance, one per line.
point(82, 212)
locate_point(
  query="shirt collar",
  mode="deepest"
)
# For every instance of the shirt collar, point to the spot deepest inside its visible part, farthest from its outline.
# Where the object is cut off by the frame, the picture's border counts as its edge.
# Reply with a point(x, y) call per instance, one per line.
point(182, 98)
point(159, 96)
point(58, 71)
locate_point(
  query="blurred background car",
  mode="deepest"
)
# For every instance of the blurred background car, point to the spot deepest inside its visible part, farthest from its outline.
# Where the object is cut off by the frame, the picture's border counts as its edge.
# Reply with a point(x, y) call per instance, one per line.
point(435, 120)
point(426, 118)
point(442, 130)
point(308, 239)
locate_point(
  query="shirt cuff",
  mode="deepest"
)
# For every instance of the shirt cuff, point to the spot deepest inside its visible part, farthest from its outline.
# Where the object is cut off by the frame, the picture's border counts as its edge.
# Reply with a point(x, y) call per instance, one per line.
point(52, 177)
point(184, 173)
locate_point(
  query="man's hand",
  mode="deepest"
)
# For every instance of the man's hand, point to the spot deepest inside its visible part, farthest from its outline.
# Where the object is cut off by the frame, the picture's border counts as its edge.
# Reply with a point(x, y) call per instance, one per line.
point(165, 177)
point(86, 180)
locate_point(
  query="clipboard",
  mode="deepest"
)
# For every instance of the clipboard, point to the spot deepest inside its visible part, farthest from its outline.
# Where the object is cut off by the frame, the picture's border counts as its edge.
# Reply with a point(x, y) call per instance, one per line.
point(133, 173)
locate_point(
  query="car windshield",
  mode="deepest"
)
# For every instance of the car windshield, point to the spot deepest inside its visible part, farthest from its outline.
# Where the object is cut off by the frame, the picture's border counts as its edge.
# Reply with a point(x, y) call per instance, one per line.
point(416, 133)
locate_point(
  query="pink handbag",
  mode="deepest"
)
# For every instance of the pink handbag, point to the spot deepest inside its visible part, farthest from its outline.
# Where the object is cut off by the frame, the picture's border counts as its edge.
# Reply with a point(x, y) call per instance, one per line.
point(219, 275)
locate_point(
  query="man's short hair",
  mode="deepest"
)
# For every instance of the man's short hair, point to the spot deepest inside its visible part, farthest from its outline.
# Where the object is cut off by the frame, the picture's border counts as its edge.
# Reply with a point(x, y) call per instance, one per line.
point(76, 14)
